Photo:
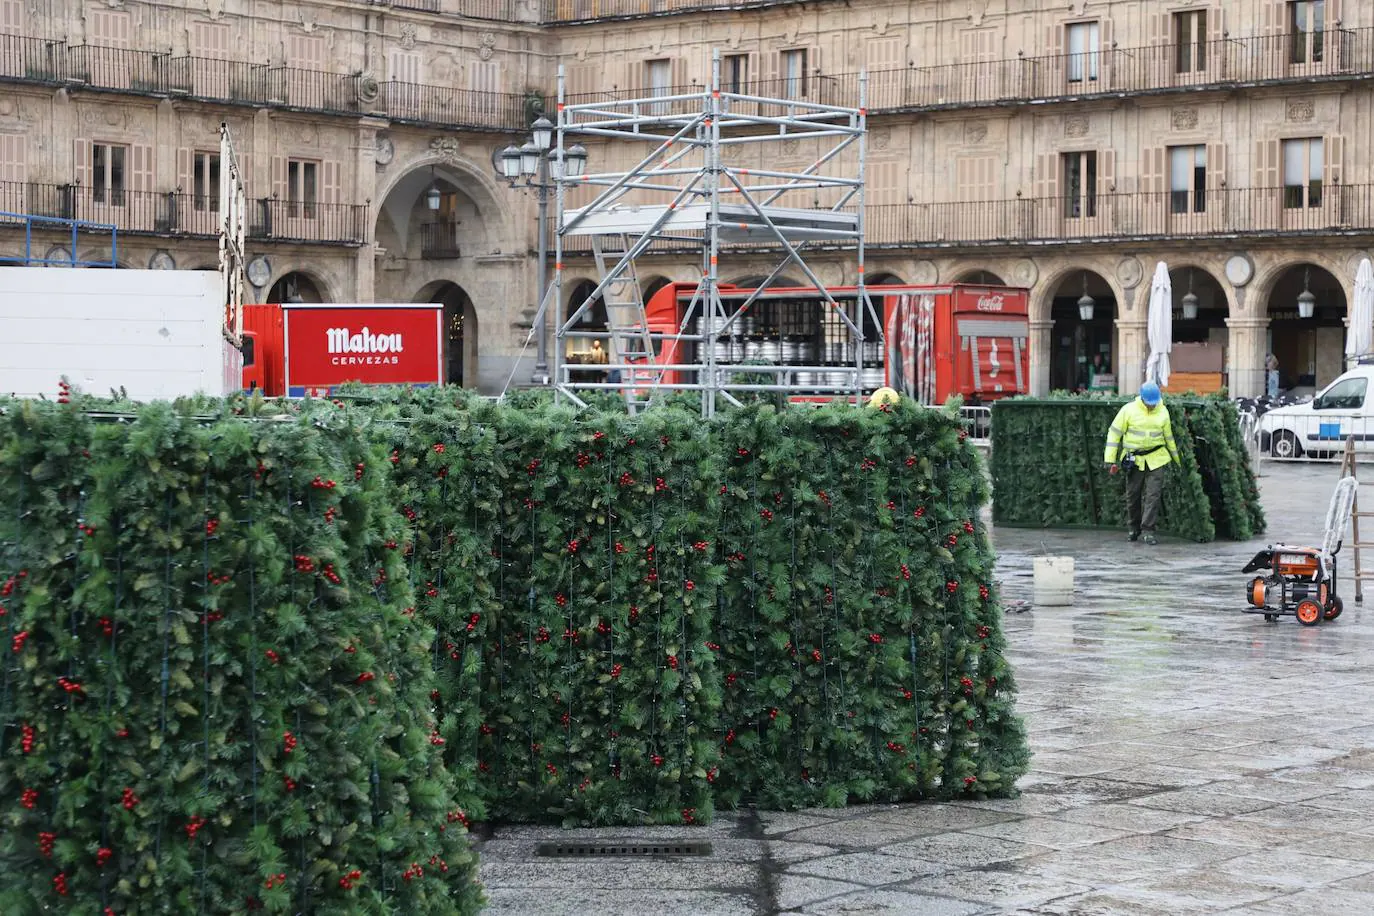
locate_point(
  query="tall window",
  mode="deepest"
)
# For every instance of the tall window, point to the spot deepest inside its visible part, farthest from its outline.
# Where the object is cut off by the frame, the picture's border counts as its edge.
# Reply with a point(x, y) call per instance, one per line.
point(1190, 41)
point(1080, 185)
point(302, 187)
point(109, 177)
point(734, 72)
point(11, 17)
point(1188, 179)
point(1082, 62)
point(205, 182)
point(794, 73)
point(1307, 27)
point(1302, 173)
point(659, 73)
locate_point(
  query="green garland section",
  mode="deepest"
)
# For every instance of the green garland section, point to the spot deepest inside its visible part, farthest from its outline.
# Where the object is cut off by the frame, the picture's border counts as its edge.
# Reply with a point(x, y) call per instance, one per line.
point(541, 615)
point(212, 696)
point(1047, 468)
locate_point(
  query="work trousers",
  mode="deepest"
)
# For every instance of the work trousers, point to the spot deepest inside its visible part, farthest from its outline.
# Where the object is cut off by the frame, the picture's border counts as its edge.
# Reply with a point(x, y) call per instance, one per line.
point(1144, 492)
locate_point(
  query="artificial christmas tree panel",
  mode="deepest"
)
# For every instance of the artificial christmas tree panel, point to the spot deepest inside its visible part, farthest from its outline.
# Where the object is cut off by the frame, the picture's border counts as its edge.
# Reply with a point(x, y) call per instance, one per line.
point(1047, 468)
point(237, 726)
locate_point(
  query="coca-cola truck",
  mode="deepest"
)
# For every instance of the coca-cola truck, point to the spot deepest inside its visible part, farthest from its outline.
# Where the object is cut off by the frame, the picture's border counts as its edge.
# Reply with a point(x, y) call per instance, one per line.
point(301, 349)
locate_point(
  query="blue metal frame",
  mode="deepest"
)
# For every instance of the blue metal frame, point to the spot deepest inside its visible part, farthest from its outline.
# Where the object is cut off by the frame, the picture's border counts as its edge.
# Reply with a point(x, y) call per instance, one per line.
point(76, 226)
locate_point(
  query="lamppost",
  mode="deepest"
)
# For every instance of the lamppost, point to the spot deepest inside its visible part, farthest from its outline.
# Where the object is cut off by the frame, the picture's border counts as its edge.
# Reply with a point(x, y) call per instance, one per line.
point(536, 163)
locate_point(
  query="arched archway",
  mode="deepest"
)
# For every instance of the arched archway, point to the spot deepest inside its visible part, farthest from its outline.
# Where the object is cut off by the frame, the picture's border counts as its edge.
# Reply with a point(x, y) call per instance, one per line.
point(438, 212)
point(1209, 324)
point(653, 285)
point(756, 280)
point(1310, 351)
point(295, 286)
point(979, 277)
point(460, 331)
point(885, 279)
point(582, 350)
point(1083, 346)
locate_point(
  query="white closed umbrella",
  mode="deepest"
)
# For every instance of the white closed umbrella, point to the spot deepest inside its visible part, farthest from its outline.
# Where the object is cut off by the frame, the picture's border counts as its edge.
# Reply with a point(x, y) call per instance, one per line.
point(1359, 341)
point(1160, 326)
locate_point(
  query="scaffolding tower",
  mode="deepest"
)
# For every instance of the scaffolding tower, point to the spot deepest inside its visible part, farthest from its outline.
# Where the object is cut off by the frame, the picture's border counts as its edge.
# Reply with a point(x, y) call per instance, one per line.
point(688, 188)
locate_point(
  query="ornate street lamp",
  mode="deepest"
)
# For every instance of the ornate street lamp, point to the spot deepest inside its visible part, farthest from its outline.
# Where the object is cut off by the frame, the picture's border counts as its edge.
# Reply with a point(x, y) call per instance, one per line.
point(1190, 300)
point(1086, 303)
point(1307, 303)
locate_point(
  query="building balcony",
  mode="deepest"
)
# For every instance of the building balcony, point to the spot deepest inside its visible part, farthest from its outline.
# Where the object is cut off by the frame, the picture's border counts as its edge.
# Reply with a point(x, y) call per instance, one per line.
point(34, 60)
point(568, 11)
point(1039, 222)
point(179, 214)
point(1235, 63)
point(439, 241)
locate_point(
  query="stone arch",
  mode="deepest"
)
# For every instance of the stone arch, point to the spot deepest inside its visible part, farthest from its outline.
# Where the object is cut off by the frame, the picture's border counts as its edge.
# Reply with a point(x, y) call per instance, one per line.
point(979, 276)
point(1310, 351)
point(460, 330)
point(653, 285)
point(1213, 304)
point(297, 286)
point(1042, 297)
point(750, 281)
point(471, 219)
point(886, 278)
point(1267, 276)
point(1073, 340)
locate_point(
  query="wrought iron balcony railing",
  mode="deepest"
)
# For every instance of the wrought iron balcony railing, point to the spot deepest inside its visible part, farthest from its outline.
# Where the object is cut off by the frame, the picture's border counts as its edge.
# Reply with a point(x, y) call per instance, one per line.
point(439, 240)
point(1338, 54)
point(1310, 209)
point(180, 214)
point(146, 72)
point(588, 10)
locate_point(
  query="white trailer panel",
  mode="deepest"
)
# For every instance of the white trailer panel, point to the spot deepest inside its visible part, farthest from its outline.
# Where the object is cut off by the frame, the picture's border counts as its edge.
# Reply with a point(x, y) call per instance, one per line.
point(155, 333)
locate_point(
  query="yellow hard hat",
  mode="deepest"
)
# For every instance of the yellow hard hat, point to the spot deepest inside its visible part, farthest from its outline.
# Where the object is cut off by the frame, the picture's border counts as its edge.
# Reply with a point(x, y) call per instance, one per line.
point(884, 396)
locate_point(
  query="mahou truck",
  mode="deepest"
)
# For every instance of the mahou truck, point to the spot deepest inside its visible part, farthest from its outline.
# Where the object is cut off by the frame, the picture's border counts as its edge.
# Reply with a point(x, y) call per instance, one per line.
point(302, 349)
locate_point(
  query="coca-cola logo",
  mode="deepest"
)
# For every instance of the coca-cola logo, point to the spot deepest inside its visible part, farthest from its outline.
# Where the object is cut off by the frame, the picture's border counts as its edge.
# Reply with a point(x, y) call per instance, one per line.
point(990, 303)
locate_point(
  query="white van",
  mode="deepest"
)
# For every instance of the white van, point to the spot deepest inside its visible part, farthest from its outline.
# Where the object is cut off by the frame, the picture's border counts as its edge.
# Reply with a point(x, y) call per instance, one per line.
point(1320, 427)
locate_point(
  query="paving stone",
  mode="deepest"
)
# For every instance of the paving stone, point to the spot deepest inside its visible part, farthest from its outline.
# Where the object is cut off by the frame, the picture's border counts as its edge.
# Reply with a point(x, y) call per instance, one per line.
point(780, 823)
point(964, 850)
point(786, 853)
point(1296, 868)
point(797, 891)
point(940, 818)
point(1049, 832)
point(1238, 833)
point(1165, 851)
point(892, 903)
point(1310, 816)
point(1129, 818)
point(1306, 903)
point(1203, 800)
point(620, 874)
point(1010, 887)
point(866, 868)
point(859, 834)
point(520, 901)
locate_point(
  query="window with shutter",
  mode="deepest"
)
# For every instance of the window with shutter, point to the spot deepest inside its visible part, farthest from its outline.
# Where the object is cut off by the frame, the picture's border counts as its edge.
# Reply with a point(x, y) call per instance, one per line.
point(975, 178)
point(1188, 179)
point(1190, 41)
point(11, 17)
point(306, 52)
point(794, 73)
point(111, 28)
point(302, 188)
point(484, 76)
point(13, 158)
point(141, 168)
point(1080, 184)
point(883, 183)
point(1306, 31)
point(1084, 52)
point(210, 40)
point(109, 170)
point(404, 67)
point(1304, 163)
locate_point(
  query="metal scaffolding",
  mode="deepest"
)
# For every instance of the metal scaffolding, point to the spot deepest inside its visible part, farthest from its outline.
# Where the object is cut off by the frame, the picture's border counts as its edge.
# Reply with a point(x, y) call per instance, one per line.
point(685, 189)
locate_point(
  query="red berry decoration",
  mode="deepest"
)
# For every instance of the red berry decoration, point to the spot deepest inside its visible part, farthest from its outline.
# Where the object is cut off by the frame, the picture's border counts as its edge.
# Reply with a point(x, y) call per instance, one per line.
point(17, 643)
point(59, 883)
point(657, 760)
point(347, 881)
point(193, 827)
point(875, 638)
point(102, 855)
point(129, 800)
point(45, 842)
point(289, 742)
point(919, 512)
point(906, 571)
point(211, 527)
point(28, 798)
point(26, 743)
point(968, 527)
point(616, 669)
point(952, 586)
point(689, 585)
point(672, 662)
point(816, 655)
point(288, 783)
point(983, 592)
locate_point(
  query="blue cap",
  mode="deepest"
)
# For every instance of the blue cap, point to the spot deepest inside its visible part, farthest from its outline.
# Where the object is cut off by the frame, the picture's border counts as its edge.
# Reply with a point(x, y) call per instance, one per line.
point(1149, 393)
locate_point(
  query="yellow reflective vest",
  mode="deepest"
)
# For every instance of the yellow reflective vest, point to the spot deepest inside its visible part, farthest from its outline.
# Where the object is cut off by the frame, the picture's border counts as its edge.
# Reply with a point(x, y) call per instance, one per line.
point(1137, 429)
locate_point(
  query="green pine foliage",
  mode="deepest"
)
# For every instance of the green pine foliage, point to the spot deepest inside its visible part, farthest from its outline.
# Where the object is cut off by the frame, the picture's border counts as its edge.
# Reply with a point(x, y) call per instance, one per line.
point(859, 628)
point(1048, 471)
point(212, 697)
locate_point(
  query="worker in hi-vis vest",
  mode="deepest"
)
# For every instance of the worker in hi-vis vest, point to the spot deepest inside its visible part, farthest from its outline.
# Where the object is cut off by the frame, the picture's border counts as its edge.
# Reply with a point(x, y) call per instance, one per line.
point(1142, 441)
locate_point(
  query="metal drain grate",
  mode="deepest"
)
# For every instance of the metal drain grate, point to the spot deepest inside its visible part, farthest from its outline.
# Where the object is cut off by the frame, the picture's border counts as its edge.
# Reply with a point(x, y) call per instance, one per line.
point(583, 849)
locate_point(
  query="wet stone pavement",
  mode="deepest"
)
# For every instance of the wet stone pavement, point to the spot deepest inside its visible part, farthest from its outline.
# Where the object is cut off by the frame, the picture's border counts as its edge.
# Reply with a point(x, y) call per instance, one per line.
point(1188, 758)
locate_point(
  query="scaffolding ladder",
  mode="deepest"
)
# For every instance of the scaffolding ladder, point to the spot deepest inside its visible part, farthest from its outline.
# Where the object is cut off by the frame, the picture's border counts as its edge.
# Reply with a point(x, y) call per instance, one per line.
point(626, 319)
point(1357, 547)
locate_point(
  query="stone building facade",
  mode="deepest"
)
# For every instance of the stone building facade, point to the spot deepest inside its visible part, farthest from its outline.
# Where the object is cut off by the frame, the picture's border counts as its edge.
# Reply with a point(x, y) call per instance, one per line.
point(1059, 146)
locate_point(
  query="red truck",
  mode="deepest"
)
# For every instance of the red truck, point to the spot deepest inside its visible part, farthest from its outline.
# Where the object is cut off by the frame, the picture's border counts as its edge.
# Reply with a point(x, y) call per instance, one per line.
point(299, 349)
point(940, 340)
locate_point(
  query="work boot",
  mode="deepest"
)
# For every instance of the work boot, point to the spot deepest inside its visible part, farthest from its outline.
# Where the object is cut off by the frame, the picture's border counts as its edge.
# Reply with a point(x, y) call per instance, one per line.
point(1133, 536)
point(1149, 538)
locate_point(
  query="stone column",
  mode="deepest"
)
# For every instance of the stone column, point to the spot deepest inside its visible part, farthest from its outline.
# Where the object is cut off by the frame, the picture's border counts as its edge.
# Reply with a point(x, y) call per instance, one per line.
point(1041, 344)
point(365, 190)
point(1134, 349)
point(1245, 358)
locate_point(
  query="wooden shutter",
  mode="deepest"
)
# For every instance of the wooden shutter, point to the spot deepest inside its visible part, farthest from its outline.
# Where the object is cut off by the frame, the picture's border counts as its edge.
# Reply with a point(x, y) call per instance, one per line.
point(210, 39)
point(1268, 156)
point(1216, 25)
point(140, 167)
point(111, 28)
point(331, 181)
point(186, 163)
point(678, 73)
point(1153, 202)
point(1106, 36)
point(1333, 14)
point(404, 67)
point(11, 17)
point(306, 52)
point(13, 158)
point(82, 170)
point(1273, 17)
point(1106, 172)
point(1056, 65)
point(1333, 148)
point(484, 76)
point(1216, 176)
point(886, 53)
point(279, 186)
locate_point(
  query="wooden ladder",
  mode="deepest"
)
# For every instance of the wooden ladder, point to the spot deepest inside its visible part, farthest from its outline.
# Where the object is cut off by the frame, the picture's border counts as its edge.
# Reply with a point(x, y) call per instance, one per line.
point(1357, 546)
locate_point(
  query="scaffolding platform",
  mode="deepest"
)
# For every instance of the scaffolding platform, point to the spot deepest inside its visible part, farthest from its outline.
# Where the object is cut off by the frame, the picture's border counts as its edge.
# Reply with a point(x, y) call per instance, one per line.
point(707, 167)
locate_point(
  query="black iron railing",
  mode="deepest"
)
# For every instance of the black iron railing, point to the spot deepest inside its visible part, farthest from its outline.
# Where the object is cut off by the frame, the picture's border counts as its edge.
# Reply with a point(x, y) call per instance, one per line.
point(181, 214)
point(146, 72)
point(1279, 211)
point(439, 240)
point(585, 10)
